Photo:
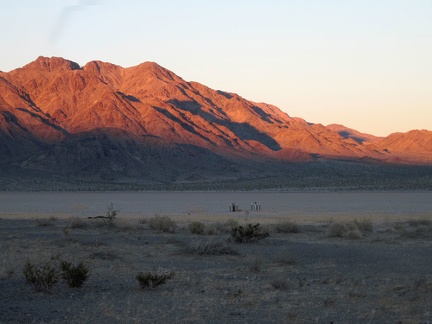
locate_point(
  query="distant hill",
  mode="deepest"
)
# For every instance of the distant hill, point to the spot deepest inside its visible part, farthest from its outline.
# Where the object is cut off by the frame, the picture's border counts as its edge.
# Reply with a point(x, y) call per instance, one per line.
point(145, 123)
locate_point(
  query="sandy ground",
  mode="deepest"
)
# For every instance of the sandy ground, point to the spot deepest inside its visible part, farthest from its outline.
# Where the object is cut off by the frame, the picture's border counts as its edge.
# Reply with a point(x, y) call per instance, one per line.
point(382, 276)
point(294, 205)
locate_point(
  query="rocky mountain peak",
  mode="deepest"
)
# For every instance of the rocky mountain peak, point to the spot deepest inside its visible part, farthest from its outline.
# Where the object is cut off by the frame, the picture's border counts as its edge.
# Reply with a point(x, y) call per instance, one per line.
point(50, 64)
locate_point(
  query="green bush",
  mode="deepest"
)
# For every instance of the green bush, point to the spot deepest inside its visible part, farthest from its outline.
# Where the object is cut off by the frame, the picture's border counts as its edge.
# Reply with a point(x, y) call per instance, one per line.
point(249, 233)
point(152, 280)
point(162, 224)
point(42, 278)
point(196, 227)
point(75, 276)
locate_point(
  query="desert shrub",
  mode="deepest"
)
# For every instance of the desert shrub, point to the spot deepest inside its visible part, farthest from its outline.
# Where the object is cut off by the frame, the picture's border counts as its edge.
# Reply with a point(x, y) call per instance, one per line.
point(419, 222)
point(364, 225)
point(210, 230)
point(227, 226)
point(111, 214)
point(249, 233)
point(42, 278)
point(286, 258)
point(77, 223)
point(420, 231)
point(345, 230)
point(44, 222)
point(208, 247)
point(287, 227)
point(162, 224)
point(353, 234)
point(152, 280)
point(280, 283)
point(398, 227)
point(256, 264)
point(337, 230)
point(196, 227)
point(75, 276)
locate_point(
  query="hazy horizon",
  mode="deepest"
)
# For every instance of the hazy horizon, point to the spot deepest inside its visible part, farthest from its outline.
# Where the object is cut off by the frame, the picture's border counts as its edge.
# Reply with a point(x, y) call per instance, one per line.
point(365, 65)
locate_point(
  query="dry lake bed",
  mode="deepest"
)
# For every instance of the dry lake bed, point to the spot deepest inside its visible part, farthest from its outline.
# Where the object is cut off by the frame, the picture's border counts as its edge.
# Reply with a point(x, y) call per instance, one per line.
point(330, 257)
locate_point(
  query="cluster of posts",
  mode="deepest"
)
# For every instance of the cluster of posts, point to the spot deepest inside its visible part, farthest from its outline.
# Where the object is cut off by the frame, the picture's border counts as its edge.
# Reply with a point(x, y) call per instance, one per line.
point(255, 206)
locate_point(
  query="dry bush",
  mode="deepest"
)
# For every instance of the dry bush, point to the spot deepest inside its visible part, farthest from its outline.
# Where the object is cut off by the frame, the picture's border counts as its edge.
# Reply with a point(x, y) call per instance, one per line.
point(162, 224)
point(249, 233)
point(75, 276)
point(111, 214)
point(420, 232)
point(286, 258)
point(256, 264)
point(364, 225)
point(208, 247)
point(42, 278)
point(196, 228)
point(228, 225)
point(337, 229)
point(287, 227)
point(398, 227)
point(45, 222)
point(77, 223)
point(210, 230)
point(345, 230)
point(152, 280)
point(419, 222)
point(280, 283)
point(353, 234)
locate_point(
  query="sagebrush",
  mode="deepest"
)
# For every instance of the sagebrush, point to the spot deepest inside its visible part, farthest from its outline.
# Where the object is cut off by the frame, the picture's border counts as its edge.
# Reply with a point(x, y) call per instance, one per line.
point(249, 233)
point(209, 247)
point(196, 227)
point(42, 278)
point(75, 275)
point(162, 224)
point(152, 279)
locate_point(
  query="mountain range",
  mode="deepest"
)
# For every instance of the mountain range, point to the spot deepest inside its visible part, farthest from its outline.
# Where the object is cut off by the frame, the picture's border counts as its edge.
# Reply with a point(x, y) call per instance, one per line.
point(103, 122)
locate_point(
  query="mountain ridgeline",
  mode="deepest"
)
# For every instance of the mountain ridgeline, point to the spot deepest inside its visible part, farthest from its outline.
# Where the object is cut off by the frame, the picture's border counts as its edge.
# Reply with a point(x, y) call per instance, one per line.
point(102, 123)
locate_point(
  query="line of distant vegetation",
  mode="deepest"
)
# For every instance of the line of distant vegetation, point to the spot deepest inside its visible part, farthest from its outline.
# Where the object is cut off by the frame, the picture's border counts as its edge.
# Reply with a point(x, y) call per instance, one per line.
point(315, 176)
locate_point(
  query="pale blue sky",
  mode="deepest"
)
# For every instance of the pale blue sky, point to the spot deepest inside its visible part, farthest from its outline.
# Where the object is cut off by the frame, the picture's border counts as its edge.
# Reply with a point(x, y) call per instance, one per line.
point(366, 64)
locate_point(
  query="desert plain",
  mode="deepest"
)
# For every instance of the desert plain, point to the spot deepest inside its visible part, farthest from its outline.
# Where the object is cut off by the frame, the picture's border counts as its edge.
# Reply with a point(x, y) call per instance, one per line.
point(330, 257)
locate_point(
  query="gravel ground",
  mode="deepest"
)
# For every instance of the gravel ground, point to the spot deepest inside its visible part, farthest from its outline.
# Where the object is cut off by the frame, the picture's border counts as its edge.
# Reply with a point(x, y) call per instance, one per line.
point(384, 276)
